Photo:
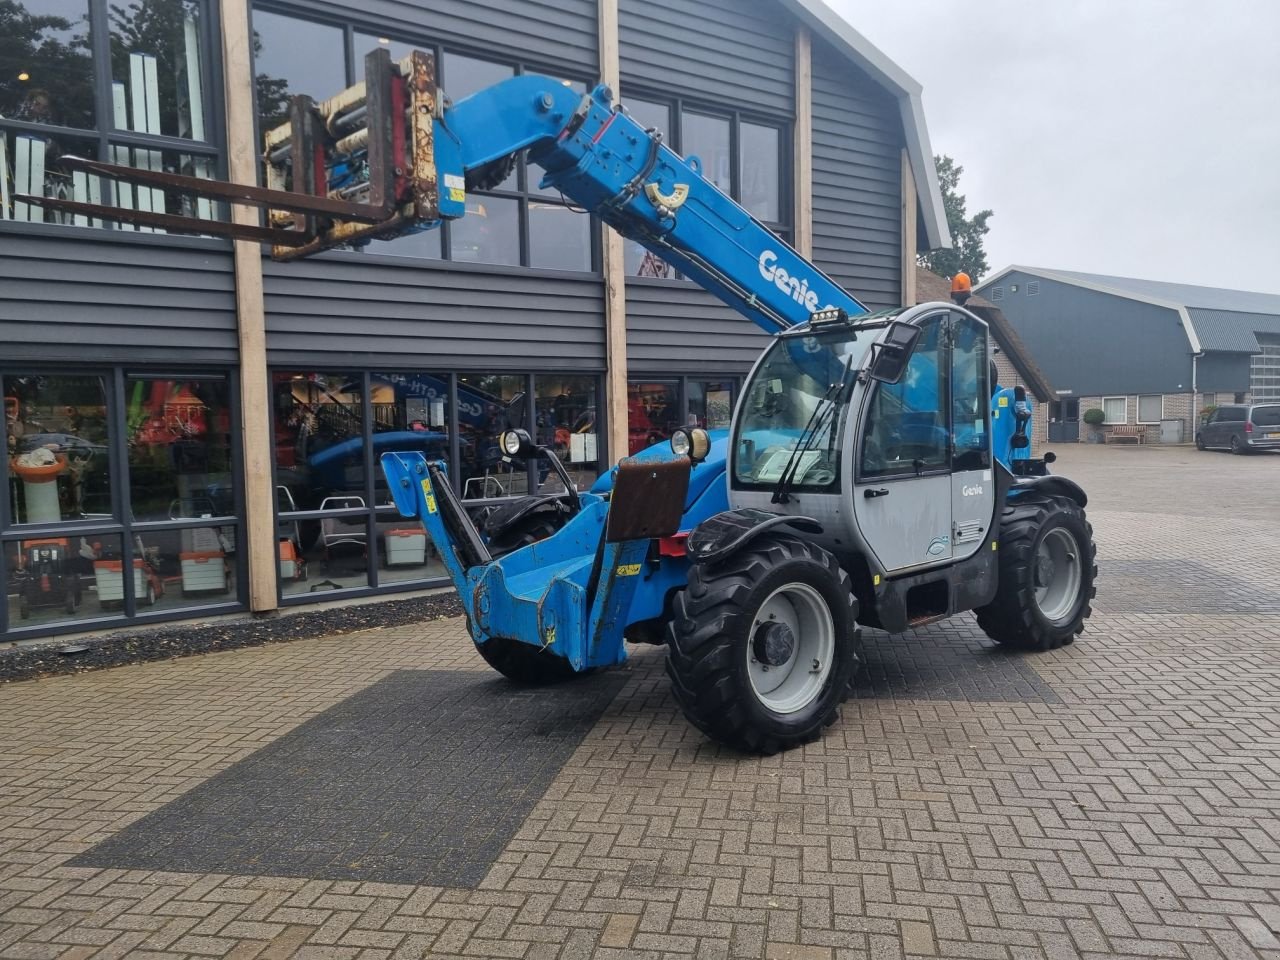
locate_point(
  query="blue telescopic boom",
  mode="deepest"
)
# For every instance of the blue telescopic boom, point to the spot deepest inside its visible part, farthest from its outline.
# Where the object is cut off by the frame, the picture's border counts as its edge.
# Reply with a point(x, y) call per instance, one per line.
point(609, 165)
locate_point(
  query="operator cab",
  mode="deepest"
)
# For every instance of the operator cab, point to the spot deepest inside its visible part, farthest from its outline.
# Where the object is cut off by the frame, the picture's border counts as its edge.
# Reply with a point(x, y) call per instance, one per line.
point(892, 459)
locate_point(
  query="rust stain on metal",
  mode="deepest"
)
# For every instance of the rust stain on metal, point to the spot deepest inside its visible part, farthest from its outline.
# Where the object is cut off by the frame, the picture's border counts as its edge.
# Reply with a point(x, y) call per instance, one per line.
point(422, 106)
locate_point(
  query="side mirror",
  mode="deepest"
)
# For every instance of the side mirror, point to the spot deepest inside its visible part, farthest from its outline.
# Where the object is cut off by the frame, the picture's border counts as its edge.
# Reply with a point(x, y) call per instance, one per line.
point(889, 357)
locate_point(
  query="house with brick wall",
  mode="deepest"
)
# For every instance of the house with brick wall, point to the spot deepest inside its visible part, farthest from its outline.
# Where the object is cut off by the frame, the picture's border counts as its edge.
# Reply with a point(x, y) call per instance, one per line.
point(1145, 352)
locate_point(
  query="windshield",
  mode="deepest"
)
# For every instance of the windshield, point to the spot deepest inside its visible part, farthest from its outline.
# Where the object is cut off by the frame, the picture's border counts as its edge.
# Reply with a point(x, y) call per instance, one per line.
point(795, 397)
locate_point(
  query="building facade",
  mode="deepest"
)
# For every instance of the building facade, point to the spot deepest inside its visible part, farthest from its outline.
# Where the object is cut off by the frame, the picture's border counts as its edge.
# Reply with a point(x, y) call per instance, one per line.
point(1146, 353)
point(194, 429)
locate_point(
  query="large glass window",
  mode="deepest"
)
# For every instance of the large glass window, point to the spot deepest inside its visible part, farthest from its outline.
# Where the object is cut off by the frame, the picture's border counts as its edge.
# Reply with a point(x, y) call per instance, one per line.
point(488, 404)
point(1114, 410)
point(565, 418)
point(512, 222)
point(320, 467)
point(711, 403)
point(60, 459)
point(151, 67)
point(337, 526)
point(1150, 407)
point(744, 157)
point(121, 495)
point(653, 412)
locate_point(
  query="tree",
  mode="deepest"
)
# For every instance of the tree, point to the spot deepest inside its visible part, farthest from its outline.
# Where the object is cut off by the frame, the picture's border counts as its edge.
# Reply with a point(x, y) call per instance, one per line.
point(966, 251)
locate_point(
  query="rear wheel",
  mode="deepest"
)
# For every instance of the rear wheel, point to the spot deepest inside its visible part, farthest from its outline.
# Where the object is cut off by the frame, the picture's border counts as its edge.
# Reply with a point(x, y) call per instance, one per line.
point(760, 652)
point(1047, 569)
point(1237, 447)
point(525, 663)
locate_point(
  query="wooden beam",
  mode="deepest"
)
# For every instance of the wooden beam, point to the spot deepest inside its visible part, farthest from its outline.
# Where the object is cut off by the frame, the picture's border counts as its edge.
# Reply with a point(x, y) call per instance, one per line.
point(255, 393)
point(909, 215)
point(803, 144)
point(614, 269)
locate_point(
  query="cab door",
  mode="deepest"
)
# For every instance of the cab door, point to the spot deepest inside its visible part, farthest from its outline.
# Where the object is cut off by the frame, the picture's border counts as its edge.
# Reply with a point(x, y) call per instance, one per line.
point(972, 482)
point(903, 484)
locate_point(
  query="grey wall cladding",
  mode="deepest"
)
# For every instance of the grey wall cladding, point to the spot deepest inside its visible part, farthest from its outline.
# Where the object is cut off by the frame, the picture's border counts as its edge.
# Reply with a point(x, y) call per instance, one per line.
point(94, 293)
point(545, 31)
point(1097, 344)
point(857, 180)
point(734, 52)
point(348, 307)
point(679, 327)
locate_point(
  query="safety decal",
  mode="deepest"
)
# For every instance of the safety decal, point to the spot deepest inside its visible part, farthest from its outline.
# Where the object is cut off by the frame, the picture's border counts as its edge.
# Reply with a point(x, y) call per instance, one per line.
point(628, 569)
point(458, 195)
point(1002, 402)
point(431, 497)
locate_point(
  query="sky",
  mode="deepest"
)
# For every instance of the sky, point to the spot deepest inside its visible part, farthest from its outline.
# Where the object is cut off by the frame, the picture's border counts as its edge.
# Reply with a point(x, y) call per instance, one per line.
point(1137, 138)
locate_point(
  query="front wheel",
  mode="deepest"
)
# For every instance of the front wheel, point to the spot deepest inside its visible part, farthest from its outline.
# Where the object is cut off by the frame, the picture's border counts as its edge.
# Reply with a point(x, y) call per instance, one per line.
point(1200, 442)
point(1047, 570)
point(760, 651)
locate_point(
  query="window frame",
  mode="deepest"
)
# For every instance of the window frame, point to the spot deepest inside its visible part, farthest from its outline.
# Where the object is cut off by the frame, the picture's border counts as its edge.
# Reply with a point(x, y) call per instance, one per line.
point(677, 104)
point(1115, 423)
point(1138, 412)
point(863, 476)
point(122, 523)
point(106, 135)
point(374, 583)
point(522, 193)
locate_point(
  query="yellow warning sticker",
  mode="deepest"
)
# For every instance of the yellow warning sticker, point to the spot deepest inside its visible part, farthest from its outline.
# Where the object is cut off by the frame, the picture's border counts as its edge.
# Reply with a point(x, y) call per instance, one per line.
point(431, 497)
point(875, 581)
point(993, 544)
point(628, 569)
point(1002, 402)
point(995, 414)
point(457, 195)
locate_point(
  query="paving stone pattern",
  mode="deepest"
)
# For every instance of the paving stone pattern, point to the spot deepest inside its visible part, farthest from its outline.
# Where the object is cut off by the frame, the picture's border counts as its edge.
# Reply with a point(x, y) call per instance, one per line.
point(1124, 804)
point(419, 778)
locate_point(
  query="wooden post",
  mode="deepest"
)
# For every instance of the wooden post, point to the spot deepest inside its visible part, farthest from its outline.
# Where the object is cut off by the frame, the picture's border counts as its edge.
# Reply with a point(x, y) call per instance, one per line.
point(803, 144)
point(615, 291)
point(255, 393)
point(909, 201)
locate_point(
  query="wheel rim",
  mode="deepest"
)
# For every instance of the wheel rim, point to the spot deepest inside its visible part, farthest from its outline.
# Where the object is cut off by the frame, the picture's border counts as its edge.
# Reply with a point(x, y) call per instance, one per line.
point(796, 676)
point(1057, 574)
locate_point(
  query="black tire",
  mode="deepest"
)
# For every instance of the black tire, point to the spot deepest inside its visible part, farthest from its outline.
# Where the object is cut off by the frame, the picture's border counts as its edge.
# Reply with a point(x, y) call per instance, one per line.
point(1014, 618)
point(1200, 442)
point(528, 529)
point(1237, 447)
point(709, 646)
point(525, 663)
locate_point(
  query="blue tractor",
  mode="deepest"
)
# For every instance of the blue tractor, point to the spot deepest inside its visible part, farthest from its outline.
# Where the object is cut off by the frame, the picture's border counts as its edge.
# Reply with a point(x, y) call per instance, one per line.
point(875, 472)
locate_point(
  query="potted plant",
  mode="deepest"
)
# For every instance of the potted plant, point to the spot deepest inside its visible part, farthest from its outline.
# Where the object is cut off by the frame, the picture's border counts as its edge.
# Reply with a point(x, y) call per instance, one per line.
point(1095, 418)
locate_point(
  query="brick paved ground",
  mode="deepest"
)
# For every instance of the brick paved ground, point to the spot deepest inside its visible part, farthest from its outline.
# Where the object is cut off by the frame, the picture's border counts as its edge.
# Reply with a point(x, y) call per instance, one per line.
point(1120, 797)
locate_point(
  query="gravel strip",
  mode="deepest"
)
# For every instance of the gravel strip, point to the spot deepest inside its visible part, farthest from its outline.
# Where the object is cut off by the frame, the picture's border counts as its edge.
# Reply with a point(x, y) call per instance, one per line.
point(183, 639)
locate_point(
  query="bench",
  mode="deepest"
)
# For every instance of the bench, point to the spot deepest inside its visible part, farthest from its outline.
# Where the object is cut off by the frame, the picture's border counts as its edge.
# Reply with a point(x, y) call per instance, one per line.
point(1132, 431)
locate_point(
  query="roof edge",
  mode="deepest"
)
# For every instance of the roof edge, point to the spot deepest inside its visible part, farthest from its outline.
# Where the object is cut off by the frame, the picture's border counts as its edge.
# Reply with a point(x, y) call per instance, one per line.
point(817, 15)
point(1179, 308)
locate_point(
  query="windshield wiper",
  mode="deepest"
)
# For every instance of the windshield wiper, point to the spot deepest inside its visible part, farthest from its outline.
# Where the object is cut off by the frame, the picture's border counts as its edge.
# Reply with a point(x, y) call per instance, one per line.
point(822, 414)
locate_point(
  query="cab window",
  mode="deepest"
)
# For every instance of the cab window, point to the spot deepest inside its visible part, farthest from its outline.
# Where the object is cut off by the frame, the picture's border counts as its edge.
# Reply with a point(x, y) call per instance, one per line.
point(970, 393)
point(906, 430)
